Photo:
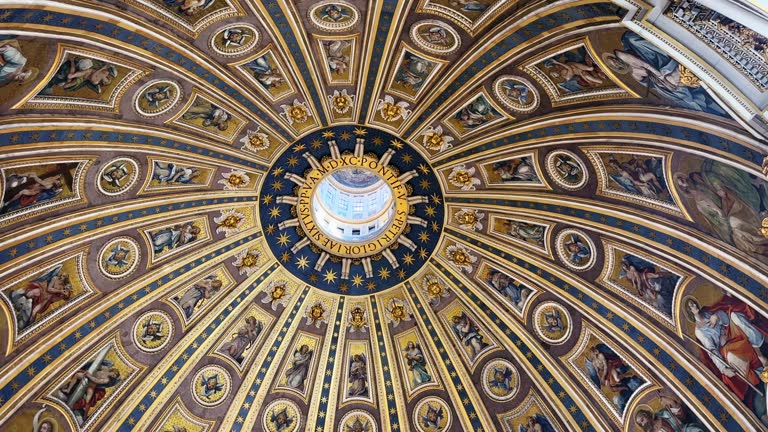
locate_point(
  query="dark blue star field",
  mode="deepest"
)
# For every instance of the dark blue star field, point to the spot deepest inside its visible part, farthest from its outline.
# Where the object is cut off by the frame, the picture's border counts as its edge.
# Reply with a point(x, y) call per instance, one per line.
point(302, 263)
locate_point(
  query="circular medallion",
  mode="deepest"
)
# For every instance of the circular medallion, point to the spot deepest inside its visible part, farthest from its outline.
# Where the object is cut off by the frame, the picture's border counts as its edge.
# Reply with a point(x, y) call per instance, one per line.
point(282, 415)
point(357, 421)
point(234, 40)
point(119, 257)
point(500, 380)
point(118, 175)
point(152, 331)
point(211, 385)
point(575, 249)
point(157, 97)
point(432, 414)
point(334, 16)
point(516, 93)
point(352, 210)
point(567, 169)
point(435, 37)
point(552, 323)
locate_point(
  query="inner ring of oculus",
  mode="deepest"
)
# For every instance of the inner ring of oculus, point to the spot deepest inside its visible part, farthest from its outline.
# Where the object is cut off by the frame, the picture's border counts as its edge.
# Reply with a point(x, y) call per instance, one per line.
point(353, 205)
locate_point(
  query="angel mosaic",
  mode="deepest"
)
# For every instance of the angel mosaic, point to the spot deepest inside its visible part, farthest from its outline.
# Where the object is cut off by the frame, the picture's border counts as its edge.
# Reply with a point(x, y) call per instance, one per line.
point(435, 37)
point(412, 73)
point(514, 170)
point(118, 176)
point(267, 73)
point(35, 185)
point(152, 331)
point(416, 364)
point(209, 115)
point(281, 416)
point(728, 203)
point(188, 7)
point(432, 418)
point(119, 257)
point(14, 68)
point(200, 292)
point(611, 374)
point(84, 390)
point(432, 414)
point(650, 282)
point(296, 375)
point(668, 414)
point(234, 40)
point(210, 385)
point(176, 174)
point(654, 69)
point(335, 13)
point(85, 80)
point(536, 423)
point(79, 72)
point(357, 379)
point(567, 169)
point(500, 380)
point(639, 175)
point(157, 97)
point(577, 249)
point(477, 113)
point(517, 92)
point(471, 6)
point(508, 287)
point(730, 339)
point(338, 54)
point(244, 339)
point(41, 296)
point(525, 231)
point(469, 334)
point(235, 36)
point(574, 71)
point(358, 424)
point(44, 424)
point(172, 237)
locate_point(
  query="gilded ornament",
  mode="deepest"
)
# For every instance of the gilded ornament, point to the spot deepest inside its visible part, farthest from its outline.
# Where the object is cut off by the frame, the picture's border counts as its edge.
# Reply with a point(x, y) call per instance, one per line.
point(277, 294)
point(341, 101)
point(461, 257)
point(464, 178)
point(234, 180)
point(255, 141)
point(434, 288)
point(397, 311)
point(297, 112)
point(247, 261)
point(229, 222)
point(469, 219)
point(391, 111)
point(434, 139)
point(358, 320)
point(316, 313)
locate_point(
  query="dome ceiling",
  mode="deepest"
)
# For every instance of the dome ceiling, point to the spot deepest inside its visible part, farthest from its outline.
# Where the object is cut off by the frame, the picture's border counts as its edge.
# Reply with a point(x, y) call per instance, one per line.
point(575, 239)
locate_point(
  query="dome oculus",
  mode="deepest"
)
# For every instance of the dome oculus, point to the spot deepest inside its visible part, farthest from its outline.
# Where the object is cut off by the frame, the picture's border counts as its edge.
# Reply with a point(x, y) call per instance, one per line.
point(353, 204)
